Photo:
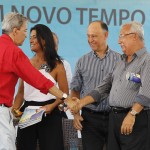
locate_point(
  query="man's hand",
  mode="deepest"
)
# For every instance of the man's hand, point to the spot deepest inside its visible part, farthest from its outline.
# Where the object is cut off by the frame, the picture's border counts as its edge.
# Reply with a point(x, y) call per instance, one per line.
point(77, 121)
point(127, 124)
point(73, 104)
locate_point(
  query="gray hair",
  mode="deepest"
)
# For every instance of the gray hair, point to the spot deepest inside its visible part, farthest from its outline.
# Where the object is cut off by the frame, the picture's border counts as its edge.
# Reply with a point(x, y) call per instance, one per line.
point(136, 27)
point(12, 20)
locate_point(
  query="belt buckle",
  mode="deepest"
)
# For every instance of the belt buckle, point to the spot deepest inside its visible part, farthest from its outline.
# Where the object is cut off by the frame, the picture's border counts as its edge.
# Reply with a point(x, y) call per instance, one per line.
point(115, 110)
point(120, 110)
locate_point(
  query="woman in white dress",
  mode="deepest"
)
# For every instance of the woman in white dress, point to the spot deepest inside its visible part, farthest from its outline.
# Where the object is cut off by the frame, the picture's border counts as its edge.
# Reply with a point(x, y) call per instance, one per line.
point(48, 132)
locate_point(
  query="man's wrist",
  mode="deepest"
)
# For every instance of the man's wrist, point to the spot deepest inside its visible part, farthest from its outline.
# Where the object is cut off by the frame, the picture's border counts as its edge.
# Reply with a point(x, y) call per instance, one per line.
point(64, 96)
point(133, 112)
point(80, 104)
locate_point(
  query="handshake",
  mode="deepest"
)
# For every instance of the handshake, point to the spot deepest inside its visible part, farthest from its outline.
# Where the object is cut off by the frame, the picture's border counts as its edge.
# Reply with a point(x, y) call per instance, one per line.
point(73, 104)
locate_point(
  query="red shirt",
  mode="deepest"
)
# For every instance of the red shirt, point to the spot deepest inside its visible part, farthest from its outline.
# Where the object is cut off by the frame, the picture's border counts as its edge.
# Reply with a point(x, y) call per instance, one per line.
point(14, 64)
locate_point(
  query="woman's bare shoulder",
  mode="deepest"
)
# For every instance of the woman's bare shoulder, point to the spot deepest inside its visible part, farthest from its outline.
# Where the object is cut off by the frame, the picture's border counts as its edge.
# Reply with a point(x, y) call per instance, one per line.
point(59, 65)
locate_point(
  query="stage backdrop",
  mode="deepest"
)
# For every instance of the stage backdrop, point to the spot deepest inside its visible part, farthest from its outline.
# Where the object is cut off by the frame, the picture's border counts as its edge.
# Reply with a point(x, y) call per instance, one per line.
point(70, 18)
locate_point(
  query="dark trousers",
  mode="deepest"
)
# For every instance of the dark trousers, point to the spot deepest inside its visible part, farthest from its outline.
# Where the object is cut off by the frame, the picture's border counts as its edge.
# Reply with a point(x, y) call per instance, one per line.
point(137, 140)
point(48, 133)
point(95, 130)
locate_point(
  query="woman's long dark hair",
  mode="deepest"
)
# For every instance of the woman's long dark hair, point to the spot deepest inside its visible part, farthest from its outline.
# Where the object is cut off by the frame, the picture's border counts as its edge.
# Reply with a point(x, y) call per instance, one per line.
point(50, 53)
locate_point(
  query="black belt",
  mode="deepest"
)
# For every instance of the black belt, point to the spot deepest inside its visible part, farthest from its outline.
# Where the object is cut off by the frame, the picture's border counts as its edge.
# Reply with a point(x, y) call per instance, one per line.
point(36, 103)
point(120, 109)
point(95, 112)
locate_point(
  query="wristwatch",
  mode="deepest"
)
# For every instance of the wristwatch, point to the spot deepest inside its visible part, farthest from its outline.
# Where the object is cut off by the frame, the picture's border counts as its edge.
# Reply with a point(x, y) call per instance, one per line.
point(133, 112)
point(64, 96)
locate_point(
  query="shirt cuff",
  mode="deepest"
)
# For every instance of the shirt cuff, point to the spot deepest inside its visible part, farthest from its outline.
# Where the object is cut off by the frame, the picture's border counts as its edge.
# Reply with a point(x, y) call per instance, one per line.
point(75, 88)
point(144, 101)
point(95, 94)
point(47, 86)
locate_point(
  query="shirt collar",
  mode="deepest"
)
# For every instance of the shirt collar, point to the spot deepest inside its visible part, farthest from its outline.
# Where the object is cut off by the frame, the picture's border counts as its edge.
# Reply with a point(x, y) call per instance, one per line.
point(107, 52)
point(141, 52)
point(138, 53)
point(6, 37)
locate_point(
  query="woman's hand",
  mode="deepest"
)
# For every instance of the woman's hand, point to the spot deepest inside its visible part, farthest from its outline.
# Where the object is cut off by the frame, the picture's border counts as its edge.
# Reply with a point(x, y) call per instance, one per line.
point(16, 112)
point(47, 108)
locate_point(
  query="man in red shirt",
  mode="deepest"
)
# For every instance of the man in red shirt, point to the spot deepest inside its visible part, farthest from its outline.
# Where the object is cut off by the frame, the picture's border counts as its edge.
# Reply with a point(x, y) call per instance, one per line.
point(14, 64)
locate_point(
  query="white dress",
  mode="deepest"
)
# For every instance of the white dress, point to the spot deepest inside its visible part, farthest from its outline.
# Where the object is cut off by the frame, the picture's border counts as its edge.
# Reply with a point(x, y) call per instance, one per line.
point(33, 94)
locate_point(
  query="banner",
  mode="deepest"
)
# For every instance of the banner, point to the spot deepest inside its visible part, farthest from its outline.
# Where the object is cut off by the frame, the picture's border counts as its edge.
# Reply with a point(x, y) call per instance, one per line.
point(69, 19)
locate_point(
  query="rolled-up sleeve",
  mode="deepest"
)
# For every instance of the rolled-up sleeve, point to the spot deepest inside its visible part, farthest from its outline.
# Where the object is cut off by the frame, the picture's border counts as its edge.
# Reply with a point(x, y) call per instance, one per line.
point(102, 91)
point(143, 97)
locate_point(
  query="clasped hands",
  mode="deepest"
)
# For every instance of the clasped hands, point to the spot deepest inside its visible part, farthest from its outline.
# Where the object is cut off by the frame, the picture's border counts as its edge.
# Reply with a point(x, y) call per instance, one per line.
point(73, 104)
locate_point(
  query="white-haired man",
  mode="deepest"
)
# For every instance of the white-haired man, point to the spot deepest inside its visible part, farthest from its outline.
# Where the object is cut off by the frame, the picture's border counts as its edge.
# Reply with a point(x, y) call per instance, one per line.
point(128, 89)
point(14, 64)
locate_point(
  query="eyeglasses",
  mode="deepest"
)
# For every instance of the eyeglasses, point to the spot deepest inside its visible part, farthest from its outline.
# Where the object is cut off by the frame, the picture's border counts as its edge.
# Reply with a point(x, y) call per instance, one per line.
point(123, 35)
